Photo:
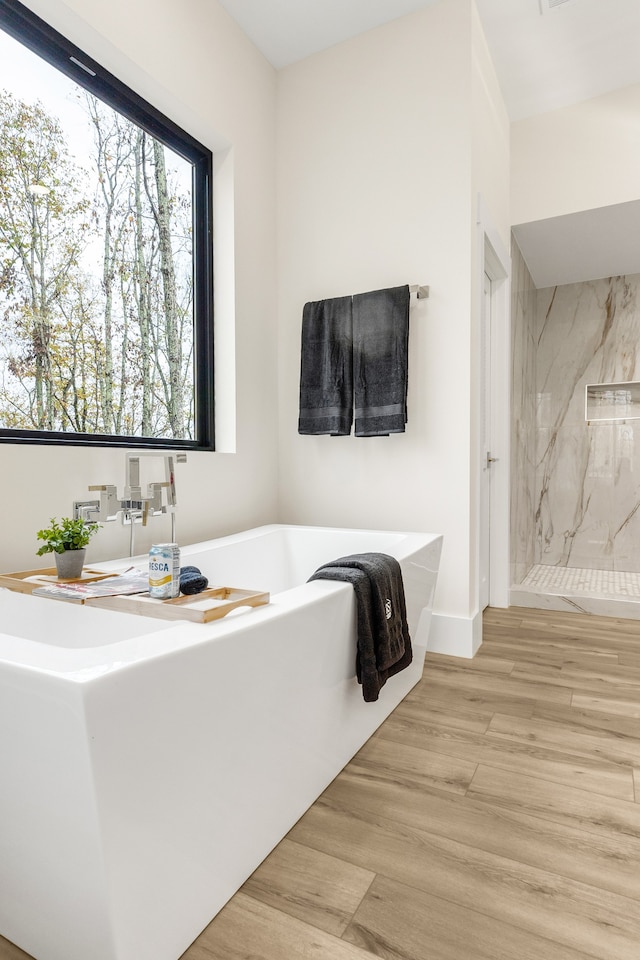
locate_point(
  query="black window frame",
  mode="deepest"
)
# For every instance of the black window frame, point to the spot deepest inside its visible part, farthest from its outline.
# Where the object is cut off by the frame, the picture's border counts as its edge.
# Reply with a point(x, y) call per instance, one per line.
point(42, 39)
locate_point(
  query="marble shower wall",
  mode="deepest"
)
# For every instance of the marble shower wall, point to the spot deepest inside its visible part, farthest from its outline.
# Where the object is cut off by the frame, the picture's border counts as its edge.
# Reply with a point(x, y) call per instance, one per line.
point(523, 417)
point(587, 484)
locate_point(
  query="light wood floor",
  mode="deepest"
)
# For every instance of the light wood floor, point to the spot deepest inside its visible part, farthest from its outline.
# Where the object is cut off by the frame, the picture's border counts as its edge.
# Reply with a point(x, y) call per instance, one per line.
point(494, 816)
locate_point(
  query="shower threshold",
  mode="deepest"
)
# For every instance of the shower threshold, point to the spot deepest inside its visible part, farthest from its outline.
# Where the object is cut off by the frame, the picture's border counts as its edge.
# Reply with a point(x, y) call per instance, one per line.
point(609, 593)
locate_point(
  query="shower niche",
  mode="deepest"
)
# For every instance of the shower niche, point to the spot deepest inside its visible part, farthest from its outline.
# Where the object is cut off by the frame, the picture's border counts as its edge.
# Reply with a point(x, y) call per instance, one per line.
point(612, 401)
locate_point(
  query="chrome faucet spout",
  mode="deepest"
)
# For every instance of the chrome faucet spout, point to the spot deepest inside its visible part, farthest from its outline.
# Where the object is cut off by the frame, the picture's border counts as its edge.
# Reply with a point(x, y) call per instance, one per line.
point(134, 506)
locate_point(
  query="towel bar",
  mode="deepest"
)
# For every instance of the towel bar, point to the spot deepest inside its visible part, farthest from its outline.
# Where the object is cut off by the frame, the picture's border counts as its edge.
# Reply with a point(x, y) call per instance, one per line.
point(422, 291)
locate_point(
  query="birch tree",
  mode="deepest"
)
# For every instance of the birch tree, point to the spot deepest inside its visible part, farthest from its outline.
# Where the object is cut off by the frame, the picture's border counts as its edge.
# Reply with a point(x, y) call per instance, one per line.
point(43, 217)
point(95, 279)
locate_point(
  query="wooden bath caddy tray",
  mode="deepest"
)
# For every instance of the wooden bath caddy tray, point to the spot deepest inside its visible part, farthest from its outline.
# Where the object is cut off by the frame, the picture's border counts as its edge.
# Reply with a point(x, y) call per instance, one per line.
point(21, 583)
point(214, 603)
point(211, 604)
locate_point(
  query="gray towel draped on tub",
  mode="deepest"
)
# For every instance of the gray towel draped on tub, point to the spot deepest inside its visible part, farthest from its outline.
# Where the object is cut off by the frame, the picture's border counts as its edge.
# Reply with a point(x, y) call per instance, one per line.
point(355, 351)
point(383, 641)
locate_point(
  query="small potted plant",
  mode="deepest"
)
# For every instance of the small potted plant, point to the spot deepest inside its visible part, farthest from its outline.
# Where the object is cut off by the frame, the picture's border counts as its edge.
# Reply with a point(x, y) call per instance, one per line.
point(67, 540)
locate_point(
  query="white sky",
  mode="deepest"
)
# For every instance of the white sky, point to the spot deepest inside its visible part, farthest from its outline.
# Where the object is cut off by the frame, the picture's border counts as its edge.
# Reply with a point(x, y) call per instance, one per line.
point(30, 78)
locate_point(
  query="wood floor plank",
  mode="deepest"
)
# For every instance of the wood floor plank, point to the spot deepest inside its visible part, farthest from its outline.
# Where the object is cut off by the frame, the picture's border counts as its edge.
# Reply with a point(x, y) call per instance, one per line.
point(604, 680)
point(543, 798)
point(630, 659)
point(446, 714)
point(247, 929)
point(611, 862)
point(569, 621)
point(504, 614)
point(543, 653)
point(482, 685)
point(571, 626)
point(590, 771)
point(555, 646)
point(476, 664)
point(636, 783)
point(530, 637)
point(483, 703)
point(618, 635)
point(553, 735)
point(577, 719)
point(416, 768)
point(9, 951)
point(396, 921)
point(620, 706)
point(573, 914)
point(304, 883)
point(623, 674)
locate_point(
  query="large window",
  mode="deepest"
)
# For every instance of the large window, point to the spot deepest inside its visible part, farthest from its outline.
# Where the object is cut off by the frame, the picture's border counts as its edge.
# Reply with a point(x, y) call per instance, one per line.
point(105, 254)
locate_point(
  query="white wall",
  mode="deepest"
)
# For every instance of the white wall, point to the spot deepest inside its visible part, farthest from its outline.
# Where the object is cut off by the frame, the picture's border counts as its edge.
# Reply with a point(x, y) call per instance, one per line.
point(192, 62)
point(490, 128)
point(577, 158)
point(376, 187)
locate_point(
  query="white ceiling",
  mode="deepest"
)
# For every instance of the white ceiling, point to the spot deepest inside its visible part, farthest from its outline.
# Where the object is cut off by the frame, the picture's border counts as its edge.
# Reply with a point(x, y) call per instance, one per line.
point(582, 246)
point(577, 50)
point(573, 52)
point(290, 30)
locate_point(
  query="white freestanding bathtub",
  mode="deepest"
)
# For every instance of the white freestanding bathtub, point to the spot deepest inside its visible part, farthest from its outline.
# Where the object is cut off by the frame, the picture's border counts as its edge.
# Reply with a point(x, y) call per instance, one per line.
point(148, 767)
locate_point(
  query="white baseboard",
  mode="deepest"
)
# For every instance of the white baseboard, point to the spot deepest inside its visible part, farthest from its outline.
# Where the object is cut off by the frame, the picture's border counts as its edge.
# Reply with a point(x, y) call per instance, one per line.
point(455, 636)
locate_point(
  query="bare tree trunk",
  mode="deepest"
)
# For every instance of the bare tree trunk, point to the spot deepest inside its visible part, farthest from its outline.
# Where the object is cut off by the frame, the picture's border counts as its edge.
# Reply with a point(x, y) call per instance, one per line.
point(108, 181)
point(143, 306)
point(106, 380)
point(174, 344)
point(41, 326)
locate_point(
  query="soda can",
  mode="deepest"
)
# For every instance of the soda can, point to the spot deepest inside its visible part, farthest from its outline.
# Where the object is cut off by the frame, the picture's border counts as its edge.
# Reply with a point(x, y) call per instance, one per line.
point(164, 571)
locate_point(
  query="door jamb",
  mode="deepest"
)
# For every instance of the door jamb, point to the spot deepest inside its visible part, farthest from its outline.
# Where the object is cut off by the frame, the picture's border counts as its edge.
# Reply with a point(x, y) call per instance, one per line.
point(494, 260)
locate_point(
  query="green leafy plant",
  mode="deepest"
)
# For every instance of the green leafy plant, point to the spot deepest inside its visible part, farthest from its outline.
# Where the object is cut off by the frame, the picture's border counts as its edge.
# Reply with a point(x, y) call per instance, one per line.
point(67, 534)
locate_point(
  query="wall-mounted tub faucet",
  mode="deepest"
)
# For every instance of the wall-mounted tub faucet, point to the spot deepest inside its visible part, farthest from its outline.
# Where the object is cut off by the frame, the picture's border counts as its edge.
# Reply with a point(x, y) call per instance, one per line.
point(134, 506)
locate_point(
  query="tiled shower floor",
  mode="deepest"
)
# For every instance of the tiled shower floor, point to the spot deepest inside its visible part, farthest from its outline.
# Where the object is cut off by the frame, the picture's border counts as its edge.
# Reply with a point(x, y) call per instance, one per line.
point(543, 578)
point(606, 593)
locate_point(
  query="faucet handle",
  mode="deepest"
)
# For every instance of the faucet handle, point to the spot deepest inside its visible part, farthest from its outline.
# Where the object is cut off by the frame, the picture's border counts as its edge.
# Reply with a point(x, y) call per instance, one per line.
point(86, 510)
point(109, 503)
point(154, 501)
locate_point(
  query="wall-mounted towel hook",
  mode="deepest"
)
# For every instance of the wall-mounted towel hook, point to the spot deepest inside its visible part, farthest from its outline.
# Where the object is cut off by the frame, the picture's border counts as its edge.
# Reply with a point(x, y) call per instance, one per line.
point(422, 291)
